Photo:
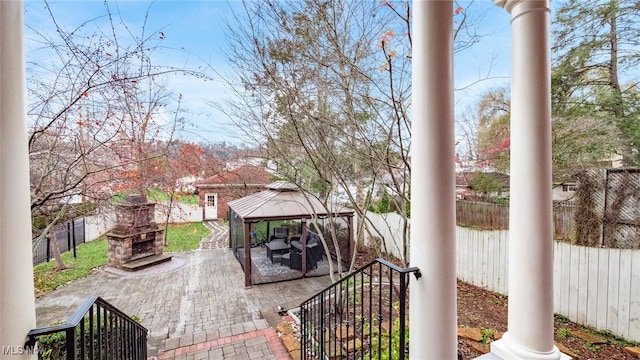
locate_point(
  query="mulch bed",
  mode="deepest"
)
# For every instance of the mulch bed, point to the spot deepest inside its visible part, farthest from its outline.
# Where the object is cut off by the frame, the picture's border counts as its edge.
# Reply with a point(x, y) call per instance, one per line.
point(479, 308)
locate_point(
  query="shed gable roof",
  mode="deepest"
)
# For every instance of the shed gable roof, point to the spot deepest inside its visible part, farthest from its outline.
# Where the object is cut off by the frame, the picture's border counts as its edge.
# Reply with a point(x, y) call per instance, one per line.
point(244, 175)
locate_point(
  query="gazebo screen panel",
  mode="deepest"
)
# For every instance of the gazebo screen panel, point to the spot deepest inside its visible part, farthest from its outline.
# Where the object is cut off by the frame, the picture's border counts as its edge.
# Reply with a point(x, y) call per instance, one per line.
point(237, 234)
point(341, 226)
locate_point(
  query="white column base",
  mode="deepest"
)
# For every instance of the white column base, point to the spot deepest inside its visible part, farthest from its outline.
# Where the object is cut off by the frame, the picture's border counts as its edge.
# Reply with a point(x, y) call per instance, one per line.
point(504, 349)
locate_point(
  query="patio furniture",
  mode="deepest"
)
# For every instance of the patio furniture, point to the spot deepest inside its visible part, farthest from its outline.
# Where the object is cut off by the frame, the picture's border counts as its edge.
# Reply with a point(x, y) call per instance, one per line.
point(285, 260)
point(314, 247)
point(295, 260)
point(281, 232)
point(276, 247)
point(314, 254)
point(317, 250)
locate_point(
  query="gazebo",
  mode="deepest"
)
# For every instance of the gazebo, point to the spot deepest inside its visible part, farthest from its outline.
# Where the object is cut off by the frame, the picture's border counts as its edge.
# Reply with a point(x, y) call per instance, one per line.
point(282, 201)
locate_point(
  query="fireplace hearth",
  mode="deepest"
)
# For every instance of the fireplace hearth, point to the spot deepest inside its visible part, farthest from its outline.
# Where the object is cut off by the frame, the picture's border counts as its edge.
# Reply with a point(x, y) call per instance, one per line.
point(136, 242)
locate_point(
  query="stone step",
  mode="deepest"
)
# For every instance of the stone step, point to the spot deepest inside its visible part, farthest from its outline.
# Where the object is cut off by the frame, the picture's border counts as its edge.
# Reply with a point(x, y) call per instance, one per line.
point(146, 262)
point(635, 351)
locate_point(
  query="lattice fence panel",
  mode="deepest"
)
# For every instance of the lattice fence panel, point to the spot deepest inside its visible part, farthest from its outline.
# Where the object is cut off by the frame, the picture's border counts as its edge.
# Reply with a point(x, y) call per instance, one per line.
point(622, 217)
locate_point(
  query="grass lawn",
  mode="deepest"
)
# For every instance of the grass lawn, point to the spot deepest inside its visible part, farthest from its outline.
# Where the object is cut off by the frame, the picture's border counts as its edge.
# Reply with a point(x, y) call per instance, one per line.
point(182, 237)
point(158, 195)
point(261, 227)
point(89, 255)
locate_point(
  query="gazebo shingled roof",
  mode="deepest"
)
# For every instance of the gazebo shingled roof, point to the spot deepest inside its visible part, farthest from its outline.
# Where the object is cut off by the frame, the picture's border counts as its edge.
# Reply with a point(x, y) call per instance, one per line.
point(282, 200)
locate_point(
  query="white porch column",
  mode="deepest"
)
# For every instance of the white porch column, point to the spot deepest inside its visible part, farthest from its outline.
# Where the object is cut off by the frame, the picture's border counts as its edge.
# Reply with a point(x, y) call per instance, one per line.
point(530, 328)
point(17, 303)
point(433, 296)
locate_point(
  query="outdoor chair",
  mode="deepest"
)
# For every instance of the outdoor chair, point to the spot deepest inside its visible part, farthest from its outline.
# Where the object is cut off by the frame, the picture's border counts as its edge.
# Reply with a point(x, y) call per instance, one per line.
point(281, 233)
point(295, 260)
point(314, 253)
point(314, 247)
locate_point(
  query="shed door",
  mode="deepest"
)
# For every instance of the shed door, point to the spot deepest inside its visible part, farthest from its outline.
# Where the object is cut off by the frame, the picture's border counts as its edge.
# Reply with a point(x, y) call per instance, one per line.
point(210, 206)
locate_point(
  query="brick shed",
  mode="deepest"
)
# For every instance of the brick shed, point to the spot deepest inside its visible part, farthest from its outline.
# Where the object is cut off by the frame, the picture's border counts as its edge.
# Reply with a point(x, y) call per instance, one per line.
point(216, 191)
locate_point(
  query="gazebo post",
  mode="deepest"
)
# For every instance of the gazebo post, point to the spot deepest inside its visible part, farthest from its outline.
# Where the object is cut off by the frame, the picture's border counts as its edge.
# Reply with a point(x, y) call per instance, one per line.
point(303, 242)
point(231, 223)
point(268, 230)
point(247, 254)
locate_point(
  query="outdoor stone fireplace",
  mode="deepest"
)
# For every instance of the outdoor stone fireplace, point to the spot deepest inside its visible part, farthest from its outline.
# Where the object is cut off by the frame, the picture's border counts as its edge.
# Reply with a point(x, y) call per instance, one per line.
point(136, 241)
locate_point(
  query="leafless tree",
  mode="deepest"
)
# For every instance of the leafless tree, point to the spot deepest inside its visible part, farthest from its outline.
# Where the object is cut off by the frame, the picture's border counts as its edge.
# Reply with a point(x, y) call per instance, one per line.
point(327, 87)
point(98, 115)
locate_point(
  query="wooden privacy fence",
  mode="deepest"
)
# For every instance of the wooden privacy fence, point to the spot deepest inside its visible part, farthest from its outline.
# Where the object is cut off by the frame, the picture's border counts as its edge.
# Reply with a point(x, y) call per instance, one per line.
point(598, 287)
point(483, 215)
point(180, 212)
point(480, 215)
point(490, 216)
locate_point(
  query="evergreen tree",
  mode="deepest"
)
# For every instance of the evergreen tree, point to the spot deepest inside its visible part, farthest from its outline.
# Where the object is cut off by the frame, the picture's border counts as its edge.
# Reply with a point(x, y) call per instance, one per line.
point(596, 50)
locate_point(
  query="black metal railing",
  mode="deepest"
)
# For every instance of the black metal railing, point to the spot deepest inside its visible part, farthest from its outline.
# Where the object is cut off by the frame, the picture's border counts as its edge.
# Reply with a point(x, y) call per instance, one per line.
point(363, 316)
point(97, 330)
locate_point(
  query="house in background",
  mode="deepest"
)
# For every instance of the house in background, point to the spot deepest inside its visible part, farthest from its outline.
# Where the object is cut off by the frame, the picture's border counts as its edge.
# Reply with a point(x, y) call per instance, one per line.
point(216, 191)
point(564, 191)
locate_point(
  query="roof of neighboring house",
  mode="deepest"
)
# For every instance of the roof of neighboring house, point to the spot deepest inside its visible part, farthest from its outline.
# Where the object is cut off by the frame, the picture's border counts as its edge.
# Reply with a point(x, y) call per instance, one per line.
point(463, 178)
point(283, 200)
point(244, 175)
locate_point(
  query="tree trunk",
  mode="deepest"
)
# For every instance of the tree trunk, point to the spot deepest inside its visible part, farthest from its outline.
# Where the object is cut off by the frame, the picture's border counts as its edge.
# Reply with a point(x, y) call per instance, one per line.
point(614, 83)
point(357, 175)
point(55, 251)
point(613, 64)
point(166, 222)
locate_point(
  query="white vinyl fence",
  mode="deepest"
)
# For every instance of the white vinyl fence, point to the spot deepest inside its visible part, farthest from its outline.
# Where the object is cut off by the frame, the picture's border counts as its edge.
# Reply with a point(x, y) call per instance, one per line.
point(482, 257)
point(388, 227)
point(180, 213)
point(98, 225)
point(598, 287)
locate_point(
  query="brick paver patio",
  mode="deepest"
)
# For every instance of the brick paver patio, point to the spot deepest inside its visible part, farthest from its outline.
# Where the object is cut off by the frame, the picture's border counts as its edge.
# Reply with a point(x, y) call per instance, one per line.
point(195, 306)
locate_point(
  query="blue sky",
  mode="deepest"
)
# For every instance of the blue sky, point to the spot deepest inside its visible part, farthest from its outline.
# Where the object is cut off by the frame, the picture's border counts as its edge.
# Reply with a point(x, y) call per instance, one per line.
point(194, 37)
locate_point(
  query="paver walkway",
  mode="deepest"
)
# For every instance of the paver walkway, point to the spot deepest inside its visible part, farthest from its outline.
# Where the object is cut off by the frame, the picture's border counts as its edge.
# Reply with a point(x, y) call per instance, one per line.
point(219, 237)
point(195, 306)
